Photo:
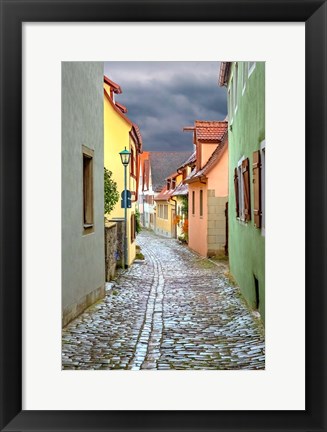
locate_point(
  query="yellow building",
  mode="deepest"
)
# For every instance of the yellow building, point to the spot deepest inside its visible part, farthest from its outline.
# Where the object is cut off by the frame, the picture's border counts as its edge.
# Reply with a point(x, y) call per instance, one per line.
point(121, 132)
point(168, 208)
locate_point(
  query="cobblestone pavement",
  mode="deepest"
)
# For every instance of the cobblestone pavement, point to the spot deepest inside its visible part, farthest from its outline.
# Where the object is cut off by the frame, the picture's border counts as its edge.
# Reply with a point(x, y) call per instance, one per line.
point(173, 311)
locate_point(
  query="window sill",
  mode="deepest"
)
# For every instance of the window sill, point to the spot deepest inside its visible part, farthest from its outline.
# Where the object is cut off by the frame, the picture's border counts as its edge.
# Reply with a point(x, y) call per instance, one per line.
point(88, 229)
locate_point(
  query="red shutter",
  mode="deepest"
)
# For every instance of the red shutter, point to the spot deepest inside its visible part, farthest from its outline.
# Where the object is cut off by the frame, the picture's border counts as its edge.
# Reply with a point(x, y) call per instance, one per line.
point(246, 189)
point(257, 189)
point(236, 193)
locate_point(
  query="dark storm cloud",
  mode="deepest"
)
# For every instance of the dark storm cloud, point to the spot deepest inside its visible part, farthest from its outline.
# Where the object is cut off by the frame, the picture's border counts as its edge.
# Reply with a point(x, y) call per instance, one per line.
point(163, 97)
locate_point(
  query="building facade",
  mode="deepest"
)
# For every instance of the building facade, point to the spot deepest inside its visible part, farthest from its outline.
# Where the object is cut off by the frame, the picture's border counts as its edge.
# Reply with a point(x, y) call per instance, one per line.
point(162, 165)
point(208, 188)
point(146, 193)
point(83, 264)
point(245, 82)
point(120, 133)
point(168, 207)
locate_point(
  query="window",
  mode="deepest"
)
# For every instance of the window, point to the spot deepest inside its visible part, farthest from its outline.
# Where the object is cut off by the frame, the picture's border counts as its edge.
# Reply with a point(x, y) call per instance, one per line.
point(173, 183)
point(168, 184)
point(201, 202)
point(87, 190)
point(193, 203)
point(242, 190)
point(163, 211)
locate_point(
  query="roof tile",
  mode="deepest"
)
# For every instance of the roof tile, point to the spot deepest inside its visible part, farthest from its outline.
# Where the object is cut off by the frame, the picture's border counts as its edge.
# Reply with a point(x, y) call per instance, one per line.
point(210, 130)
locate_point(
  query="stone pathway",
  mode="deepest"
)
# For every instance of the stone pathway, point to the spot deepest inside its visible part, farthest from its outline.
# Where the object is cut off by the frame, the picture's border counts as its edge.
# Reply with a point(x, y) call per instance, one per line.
point(173, 311)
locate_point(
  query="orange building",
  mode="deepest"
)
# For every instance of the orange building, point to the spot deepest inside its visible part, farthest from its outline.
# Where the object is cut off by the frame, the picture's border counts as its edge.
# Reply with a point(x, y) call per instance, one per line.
point(208, 188)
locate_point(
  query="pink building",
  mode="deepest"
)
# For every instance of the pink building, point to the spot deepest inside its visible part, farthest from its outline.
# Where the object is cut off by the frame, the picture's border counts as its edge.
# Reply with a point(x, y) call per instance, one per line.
point(208, 189)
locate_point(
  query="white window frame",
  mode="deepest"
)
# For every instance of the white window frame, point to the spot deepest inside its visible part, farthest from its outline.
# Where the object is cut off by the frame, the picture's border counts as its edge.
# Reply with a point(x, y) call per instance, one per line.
point(263, 186)
point(241, 212)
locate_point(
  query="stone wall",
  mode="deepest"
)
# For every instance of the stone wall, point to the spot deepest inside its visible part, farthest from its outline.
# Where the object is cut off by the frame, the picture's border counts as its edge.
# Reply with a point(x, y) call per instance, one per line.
point(110, 243)
point(216, 224)
point(120, 233)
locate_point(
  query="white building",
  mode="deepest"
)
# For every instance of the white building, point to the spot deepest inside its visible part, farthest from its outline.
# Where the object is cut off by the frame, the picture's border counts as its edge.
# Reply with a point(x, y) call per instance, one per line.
point(83, 263)
point(146, 193)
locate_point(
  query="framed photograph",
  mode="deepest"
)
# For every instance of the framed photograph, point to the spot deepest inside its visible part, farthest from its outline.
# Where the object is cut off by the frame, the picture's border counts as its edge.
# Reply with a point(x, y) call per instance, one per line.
point(272, 54)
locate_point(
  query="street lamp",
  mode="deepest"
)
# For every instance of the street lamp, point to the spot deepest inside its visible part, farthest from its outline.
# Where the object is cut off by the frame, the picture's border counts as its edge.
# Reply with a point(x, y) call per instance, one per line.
point(125, 157)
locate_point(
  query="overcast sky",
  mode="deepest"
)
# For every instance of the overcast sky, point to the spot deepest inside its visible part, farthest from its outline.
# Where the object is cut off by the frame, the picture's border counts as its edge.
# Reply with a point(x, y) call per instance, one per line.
point(163, 97)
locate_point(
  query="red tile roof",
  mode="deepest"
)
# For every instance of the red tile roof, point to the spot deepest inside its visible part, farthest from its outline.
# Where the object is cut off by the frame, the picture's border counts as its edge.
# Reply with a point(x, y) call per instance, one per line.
point(210, 131)
point(122, 108)
point(115, 87)
point(138, 133)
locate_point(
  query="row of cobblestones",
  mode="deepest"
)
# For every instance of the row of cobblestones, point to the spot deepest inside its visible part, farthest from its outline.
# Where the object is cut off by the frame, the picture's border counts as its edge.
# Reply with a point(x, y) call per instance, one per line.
point(174, 311)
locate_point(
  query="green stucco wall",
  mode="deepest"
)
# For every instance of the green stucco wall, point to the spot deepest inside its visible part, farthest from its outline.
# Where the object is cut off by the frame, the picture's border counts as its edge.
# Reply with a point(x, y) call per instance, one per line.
point(246, 242)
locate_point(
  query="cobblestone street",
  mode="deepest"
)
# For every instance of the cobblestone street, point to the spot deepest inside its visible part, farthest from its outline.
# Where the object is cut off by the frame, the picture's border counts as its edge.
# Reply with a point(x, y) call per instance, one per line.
point(174, 310)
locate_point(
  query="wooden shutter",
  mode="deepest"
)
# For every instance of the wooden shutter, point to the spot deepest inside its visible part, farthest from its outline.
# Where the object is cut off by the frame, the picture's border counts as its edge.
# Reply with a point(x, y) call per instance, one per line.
point(236, 193)
point(246, 189)
point(257, 189)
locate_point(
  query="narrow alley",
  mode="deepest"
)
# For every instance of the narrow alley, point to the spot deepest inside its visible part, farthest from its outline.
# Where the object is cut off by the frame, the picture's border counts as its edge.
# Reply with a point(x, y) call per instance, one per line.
point(174, 310)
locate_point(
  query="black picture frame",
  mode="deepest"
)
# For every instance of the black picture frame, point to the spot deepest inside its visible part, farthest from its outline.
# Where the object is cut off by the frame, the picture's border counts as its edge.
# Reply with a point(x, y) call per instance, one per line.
point(13, 14)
